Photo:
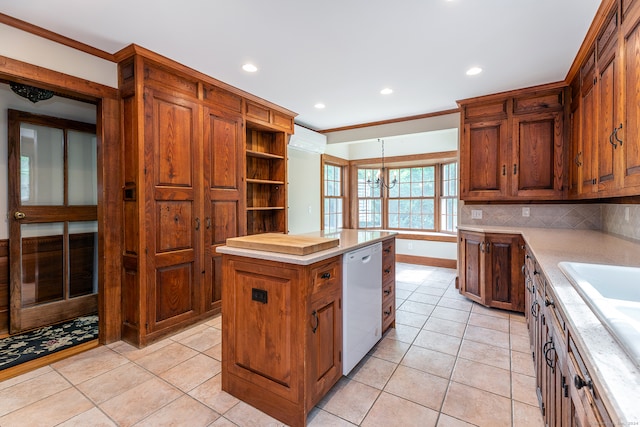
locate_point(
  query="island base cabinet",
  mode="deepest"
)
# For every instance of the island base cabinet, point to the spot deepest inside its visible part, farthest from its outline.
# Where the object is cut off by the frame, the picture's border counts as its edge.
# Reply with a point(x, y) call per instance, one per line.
point(282, 334)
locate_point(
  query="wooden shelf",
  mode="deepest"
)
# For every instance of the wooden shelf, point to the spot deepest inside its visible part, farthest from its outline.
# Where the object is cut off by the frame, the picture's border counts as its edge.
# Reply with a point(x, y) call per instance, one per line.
point(265, 208)
point(264, 181)
point(261, 155)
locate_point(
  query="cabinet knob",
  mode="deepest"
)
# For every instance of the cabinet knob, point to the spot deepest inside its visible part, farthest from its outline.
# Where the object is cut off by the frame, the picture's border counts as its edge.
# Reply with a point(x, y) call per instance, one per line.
point(580, 383)
point(326, 275)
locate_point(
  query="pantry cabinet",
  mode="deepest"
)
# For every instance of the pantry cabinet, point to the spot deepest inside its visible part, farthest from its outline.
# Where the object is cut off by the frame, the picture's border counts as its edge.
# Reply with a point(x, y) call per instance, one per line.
point(512, 145)
point(491, 269)
point(185, 145)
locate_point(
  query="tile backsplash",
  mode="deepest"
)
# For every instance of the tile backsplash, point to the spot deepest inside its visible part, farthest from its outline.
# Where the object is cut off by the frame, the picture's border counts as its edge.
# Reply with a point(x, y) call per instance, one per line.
point(588, 216)
point(618, 219)
point(622, 220)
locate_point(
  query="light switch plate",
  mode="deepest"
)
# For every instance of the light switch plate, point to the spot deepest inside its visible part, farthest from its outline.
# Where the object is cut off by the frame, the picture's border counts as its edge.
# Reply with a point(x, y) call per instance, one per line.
point(526, 212)
point(476, 214)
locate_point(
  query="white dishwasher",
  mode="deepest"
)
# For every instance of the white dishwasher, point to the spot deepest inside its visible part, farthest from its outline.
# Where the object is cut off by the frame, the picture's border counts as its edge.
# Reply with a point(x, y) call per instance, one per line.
point(361, 303)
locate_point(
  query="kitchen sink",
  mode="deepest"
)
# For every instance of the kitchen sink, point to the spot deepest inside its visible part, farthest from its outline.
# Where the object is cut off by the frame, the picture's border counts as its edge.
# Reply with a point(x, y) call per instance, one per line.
point(613, 294)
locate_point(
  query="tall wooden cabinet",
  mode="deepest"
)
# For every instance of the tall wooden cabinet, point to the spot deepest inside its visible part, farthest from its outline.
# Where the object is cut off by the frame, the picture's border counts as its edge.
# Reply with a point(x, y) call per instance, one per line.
point(184, 190)
point(512, 145)
point(606, 144)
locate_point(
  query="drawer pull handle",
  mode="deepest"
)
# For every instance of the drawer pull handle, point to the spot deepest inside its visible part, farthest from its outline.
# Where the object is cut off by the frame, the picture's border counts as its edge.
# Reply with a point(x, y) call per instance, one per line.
point(387, 313)
point(387, 291)
point(316, 319)
point(387, 270)
point(549, 302)
point(325, 276)
point(387, 250)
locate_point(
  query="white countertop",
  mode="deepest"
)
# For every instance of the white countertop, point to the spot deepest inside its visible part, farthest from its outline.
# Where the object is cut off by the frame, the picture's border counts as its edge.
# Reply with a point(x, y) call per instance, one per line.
point(350, 239)
point(614, 374)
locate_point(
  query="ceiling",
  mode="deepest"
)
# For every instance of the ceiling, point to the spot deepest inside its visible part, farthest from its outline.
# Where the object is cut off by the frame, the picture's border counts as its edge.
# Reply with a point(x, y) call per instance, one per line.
point(339, 52)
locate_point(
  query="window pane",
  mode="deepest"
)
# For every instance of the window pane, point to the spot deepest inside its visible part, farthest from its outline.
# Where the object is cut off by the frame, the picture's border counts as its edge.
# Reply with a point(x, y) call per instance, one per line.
point(43, 182)
point(83, 167)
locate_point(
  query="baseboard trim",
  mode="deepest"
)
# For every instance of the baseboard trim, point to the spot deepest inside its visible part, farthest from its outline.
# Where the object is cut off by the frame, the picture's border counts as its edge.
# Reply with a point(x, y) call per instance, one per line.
point(423, 260)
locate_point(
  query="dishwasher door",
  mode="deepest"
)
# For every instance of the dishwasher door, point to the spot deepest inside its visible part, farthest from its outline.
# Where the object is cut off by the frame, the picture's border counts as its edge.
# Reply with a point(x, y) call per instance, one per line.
point(362, 303)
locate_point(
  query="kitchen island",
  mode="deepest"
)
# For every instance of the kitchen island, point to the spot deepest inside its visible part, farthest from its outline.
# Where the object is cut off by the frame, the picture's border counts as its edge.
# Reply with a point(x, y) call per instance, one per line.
point(282, 322)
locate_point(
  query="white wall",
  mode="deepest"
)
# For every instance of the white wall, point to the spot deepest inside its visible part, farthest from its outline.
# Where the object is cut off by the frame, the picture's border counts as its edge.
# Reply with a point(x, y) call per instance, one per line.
point(303, 169)
point(26, 47)
point(400, 139)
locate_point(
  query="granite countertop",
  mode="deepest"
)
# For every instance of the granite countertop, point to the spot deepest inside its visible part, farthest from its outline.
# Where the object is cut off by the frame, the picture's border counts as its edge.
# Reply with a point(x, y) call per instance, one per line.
point(614, 373)
point(350, 239)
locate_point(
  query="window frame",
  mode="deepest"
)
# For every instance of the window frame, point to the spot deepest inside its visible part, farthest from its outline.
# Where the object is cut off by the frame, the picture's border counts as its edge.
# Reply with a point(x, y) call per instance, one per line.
point(344, 180)
point(436, 159)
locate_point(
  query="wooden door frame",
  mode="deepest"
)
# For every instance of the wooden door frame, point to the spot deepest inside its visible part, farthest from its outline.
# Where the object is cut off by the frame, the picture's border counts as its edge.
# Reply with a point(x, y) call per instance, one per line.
point(109, 178)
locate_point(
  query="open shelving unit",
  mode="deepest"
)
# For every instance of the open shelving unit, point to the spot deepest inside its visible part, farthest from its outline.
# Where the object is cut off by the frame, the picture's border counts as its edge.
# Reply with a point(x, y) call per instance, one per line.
point(266, 162)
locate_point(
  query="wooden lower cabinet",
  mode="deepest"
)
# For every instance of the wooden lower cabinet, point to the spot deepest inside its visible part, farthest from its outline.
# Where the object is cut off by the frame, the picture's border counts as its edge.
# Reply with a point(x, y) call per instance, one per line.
point(566, 393)
point(282, 334)
point(490, 270)
point(388, 284)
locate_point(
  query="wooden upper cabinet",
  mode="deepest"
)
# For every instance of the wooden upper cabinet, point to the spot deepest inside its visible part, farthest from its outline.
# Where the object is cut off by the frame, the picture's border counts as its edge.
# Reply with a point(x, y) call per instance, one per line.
point(629, 165)
point(512, 146)
point(483, 171)
point(607, 88)
point(588, 154)
point(538, 156)
point(575, 141)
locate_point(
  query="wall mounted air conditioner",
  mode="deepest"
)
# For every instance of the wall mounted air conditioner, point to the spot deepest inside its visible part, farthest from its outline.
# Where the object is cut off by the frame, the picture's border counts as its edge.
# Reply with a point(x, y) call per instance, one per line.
point(307, 140)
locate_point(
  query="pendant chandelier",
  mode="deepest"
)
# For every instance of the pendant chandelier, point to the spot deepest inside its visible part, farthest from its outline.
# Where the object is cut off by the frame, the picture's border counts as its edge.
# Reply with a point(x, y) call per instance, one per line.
point(379, 182)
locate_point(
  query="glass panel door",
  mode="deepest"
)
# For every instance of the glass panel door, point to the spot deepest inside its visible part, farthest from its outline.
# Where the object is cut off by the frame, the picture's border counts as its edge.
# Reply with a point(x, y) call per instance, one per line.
point(53, 213)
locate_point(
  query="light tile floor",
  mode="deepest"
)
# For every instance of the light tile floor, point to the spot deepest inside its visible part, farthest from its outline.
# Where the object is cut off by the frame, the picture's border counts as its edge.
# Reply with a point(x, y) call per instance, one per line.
point(448, 363)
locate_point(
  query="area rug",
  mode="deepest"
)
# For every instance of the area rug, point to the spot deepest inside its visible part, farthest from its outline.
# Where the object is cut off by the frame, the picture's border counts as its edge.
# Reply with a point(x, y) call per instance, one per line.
point(31, 345)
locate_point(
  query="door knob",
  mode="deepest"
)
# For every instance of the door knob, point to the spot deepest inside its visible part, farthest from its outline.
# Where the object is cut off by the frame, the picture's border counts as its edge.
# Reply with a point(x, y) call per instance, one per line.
point(19, 215)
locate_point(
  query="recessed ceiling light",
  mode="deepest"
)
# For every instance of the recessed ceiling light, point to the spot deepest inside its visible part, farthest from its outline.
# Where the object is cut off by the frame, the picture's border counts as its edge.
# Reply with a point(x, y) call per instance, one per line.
point(250, 68)
point(386, 91)
point(473, 71)
point(319, 105)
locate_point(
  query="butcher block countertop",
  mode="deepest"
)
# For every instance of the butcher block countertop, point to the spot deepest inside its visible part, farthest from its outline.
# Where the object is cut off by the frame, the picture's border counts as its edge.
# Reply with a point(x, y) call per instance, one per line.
point(284, 243)
point(347, 240)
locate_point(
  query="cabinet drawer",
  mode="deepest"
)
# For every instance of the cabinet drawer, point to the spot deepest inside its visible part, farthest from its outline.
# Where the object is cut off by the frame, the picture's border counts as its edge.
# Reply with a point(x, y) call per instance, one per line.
point(388, 313)
point(388, 291)
point(537, 102)
point(497, 109)
point(326, 276)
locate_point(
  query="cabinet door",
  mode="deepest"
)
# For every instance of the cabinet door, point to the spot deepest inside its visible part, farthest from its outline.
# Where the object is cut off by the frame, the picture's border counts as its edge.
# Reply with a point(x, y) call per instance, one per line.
point(224, 201)
point(630, 159)
point(538, 163)
point(575, 150)
point(471, 265)
point(503, 272)
point(173, 225)
point(607, 95)
point(589, 157)
point(324, 329)
point(483, 154)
